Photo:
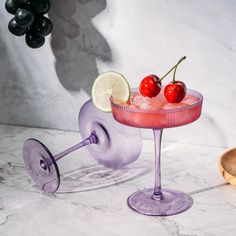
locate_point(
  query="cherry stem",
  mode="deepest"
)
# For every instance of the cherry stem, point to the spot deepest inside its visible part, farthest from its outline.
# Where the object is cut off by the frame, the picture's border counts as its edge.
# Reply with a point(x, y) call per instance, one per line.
point(174, 67)
point(183, 58)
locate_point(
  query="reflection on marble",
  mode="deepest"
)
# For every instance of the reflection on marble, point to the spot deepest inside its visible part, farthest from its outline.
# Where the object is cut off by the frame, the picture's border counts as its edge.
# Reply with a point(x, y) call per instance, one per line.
point(96, 176)
point(25, 210)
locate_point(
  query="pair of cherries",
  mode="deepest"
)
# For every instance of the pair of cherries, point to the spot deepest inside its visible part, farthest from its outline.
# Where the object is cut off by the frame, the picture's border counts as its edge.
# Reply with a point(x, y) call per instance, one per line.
point(174, 92)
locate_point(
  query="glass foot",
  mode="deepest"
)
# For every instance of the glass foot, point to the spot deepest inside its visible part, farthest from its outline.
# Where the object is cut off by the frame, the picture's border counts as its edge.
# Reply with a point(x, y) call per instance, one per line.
point(173, 202)
point(41, 165)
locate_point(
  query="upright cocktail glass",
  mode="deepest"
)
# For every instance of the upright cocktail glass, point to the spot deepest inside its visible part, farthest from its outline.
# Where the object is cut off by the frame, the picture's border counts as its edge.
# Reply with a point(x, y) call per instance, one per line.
point(112, 144)
point(158, 201)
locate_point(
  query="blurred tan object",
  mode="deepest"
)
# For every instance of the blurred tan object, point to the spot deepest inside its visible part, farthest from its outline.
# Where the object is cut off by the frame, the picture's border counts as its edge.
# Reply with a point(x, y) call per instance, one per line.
point(227, 166)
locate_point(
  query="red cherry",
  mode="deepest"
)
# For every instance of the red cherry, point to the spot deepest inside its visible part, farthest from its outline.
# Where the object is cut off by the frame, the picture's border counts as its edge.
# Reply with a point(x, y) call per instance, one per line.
point(175, 92)
point(150, 86)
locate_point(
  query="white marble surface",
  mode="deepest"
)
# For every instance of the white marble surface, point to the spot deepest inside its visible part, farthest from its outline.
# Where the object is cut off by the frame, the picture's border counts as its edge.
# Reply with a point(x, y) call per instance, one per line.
point(24, 210)
point(46, 87)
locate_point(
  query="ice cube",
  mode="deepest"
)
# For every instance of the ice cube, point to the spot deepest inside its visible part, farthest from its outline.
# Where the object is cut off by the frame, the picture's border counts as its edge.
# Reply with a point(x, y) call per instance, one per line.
point(190, 100)
point(145, 106)
point(155, 103)
point(138, 100)
point(146, 103)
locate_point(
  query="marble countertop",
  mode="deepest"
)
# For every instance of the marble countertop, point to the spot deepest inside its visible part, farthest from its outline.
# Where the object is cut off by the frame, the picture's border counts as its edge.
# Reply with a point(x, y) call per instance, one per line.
point(92, 199)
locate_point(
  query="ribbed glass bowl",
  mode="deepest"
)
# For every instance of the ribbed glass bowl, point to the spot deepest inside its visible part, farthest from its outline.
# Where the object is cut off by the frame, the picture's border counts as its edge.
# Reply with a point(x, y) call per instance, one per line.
point(159, 118)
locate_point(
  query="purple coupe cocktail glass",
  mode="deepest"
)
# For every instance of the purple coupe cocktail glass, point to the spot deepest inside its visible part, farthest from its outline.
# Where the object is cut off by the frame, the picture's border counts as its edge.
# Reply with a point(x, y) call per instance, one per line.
point(158, 201)
point(112, 144)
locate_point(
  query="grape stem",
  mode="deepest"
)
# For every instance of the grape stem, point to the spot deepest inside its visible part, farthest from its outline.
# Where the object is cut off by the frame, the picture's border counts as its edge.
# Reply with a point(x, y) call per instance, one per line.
point(173, 68)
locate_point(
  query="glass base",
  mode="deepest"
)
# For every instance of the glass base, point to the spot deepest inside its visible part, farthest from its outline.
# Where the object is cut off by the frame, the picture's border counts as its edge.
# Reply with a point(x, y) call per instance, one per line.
point(41, 165)
point(173, 202)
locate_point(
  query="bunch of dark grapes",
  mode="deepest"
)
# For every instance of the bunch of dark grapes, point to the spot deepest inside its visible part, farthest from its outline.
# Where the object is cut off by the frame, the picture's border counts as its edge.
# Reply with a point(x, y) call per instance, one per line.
point(30, 20)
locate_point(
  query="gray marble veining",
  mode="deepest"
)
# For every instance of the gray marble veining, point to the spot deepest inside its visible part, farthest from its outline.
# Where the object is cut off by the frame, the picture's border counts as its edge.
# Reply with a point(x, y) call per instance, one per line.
point(96, 204)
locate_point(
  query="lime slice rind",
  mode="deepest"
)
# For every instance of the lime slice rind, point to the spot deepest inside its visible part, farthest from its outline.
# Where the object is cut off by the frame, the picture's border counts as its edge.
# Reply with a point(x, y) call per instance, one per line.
point(109, 84)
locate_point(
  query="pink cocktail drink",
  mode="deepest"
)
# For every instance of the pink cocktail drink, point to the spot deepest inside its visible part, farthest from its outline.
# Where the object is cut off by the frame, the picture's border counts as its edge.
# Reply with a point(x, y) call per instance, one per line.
point(157, 113)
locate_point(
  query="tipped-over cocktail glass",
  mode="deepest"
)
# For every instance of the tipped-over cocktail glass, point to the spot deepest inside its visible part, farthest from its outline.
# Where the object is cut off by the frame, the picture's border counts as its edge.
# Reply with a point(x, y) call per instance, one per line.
point(157, 114)
point(112, 144)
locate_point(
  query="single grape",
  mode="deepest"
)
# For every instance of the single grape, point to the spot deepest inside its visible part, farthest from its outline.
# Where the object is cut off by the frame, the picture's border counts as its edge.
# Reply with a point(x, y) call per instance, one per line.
point(15, 29)
point(11, 6)
point(40, 6)
point(42, 26)
point(24, 18)
point(34, 40)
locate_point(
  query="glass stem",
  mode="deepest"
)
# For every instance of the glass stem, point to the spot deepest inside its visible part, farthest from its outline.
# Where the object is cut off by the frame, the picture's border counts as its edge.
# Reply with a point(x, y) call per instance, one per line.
point(157, 194)
point(91, 139)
